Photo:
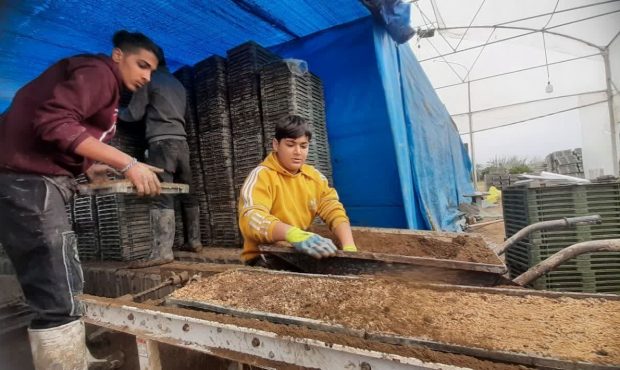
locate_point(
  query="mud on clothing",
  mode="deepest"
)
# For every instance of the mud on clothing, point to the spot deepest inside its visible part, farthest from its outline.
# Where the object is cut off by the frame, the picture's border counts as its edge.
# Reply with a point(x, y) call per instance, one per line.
point(72, 100)
point(38, 238)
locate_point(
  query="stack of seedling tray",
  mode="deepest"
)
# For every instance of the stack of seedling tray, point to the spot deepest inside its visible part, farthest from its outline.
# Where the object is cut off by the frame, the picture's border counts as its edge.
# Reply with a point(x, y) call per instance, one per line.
point(244, 62)
point(593, 272)
point(216, 144)
point(186, 76)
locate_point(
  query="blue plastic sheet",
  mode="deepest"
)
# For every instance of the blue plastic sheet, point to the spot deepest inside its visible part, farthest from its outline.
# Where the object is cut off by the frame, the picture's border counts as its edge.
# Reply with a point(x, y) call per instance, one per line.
point(37, 33)
point(398, 158)
point(362, 146)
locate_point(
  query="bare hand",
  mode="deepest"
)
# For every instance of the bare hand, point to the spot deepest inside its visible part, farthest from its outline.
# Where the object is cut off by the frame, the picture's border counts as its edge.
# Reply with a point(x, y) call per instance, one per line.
point(98, 173)
point(154, 169)
point(144, 179)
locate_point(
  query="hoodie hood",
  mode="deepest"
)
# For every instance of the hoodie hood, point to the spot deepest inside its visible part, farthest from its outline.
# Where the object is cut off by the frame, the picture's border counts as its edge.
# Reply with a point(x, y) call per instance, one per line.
point(273, 163)
point(113, 67)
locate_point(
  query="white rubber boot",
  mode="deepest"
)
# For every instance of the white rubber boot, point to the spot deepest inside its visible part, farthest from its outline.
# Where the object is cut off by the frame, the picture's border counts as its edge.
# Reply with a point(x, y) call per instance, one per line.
point(59, 348)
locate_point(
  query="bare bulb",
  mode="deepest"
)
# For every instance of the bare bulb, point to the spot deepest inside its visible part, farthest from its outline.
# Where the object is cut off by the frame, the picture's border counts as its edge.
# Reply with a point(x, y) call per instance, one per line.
point(549, 87)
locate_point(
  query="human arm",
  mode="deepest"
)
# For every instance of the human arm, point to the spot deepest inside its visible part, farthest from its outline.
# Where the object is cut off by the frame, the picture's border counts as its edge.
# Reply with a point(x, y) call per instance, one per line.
point(141, 175)
point(332, 212)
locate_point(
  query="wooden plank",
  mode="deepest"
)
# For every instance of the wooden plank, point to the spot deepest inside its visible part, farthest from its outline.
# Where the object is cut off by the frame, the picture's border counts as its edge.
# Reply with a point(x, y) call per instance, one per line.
point(406, 260)
point(126, 187)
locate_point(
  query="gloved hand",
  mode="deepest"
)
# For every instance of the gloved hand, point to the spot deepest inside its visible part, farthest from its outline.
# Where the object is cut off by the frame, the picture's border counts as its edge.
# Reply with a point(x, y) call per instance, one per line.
point(310, 243)
point(349, 248)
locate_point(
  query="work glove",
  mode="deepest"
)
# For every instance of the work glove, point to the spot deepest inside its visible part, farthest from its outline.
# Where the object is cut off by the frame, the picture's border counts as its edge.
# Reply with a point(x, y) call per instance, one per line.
point(349, 248)
point(310, 243)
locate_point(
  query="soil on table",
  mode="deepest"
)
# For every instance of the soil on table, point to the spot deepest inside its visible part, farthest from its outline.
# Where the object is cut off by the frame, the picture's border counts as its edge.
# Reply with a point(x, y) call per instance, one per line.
point(467, 248)
point(563, 328)
point(293, 331)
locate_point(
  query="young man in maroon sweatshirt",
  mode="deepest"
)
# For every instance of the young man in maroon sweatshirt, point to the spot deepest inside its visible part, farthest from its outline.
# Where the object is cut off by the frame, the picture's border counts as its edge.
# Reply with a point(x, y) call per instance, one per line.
point(56, 127)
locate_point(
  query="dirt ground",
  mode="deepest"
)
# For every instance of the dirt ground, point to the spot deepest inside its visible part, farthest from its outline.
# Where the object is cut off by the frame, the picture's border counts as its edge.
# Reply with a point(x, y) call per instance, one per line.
point(564, 328)
point(494, 232)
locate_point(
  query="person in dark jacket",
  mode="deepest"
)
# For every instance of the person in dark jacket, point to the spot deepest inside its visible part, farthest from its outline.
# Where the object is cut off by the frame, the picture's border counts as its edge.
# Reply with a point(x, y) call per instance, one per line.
point(161, 104)
point(56, 127)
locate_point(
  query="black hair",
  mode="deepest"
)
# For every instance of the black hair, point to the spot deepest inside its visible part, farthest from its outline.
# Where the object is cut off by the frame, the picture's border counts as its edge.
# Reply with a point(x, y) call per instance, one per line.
point(160, 56)
point(132, 41)
point(293, 127)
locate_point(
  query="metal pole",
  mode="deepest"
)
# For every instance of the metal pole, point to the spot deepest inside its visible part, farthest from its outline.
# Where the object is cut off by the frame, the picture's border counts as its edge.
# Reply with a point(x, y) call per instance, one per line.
point(610, 107)
point(471, 136)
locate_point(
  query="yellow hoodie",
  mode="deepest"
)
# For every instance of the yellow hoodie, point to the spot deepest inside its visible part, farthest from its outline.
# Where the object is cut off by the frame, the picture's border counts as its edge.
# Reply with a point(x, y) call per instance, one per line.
point(271, 193)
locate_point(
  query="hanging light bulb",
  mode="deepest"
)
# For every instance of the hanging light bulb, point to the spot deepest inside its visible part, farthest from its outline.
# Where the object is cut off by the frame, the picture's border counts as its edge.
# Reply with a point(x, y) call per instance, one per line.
point(549, 88)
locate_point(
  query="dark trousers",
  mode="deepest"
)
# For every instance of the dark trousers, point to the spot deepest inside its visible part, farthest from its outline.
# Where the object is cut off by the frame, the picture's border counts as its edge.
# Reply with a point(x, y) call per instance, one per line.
point(172, 155)
point(38, 238)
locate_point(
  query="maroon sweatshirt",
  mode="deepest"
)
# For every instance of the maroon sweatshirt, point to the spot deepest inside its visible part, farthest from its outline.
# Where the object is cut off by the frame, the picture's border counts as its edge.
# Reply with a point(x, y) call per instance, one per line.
point(72, 100)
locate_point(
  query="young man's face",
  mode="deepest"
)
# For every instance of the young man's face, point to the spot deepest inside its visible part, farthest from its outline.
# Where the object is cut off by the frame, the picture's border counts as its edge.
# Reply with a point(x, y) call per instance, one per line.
point(292, 153)
point(135, 67)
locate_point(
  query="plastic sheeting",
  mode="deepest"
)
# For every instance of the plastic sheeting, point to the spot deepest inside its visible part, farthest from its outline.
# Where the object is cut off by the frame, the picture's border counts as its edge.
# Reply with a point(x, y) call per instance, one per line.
point(36, 33)
point(397, 157)
point(500, 55)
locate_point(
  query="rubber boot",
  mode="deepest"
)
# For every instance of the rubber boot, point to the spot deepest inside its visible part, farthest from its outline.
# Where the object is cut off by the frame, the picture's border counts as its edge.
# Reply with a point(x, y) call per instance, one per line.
point(162, 225)
point(59, 348)
point(191, 220)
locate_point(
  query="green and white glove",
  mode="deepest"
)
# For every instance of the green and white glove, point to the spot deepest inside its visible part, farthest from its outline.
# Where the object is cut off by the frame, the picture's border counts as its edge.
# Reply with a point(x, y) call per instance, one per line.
point(310, 243)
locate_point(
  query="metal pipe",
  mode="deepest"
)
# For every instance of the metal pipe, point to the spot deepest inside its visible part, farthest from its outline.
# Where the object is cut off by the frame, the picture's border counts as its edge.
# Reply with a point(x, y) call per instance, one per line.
point(174, 279)
point(609, 245)
point(612, 118)
point(546, 225)
point(471, 137)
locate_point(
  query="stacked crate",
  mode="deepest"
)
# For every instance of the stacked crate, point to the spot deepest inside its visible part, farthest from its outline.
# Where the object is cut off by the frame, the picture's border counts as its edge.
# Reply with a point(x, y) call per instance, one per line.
point(124, 226)
point(216, 146)
point(592, 272)
point(123, 221)
point(566, 162)
point(285, 90)
point(84, 221)
point(244, 62)
point(500, 181)
point(319, 150)
point(288, 89)
point(186, 76)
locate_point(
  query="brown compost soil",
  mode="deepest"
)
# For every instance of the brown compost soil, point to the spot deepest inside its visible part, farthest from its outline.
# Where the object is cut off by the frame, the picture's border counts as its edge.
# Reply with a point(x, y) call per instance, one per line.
point(563, 328)
point(467, 248)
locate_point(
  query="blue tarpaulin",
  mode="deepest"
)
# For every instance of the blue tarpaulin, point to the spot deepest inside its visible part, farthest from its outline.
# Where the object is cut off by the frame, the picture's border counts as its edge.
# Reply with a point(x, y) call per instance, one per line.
point(37, 33)
point(398, 160)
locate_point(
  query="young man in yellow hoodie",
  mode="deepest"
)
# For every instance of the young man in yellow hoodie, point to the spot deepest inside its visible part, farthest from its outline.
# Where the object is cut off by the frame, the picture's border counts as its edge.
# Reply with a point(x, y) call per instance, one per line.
point(281, 197)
